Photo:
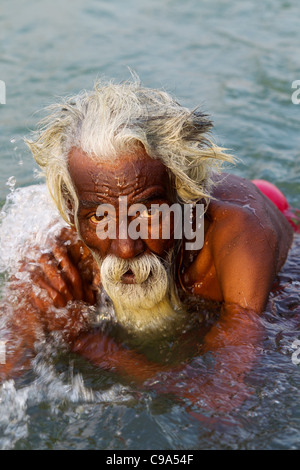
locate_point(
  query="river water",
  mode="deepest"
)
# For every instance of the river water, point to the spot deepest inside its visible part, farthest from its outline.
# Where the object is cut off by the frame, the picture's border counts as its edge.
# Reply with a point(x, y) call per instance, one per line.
point(238, 61)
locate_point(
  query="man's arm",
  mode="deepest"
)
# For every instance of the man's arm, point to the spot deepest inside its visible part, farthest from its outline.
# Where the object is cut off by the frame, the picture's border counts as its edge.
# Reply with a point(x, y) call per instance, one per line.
point(47, 294)
point(246, 259)
point(245, 254)
point(51, 294)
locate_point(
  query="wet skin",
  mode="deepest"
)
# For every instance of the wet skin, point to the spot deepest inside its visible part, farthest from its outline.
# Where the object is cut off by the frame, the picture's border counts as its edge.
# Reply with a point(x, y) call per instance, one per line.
point(246, 237)
point(246, 243)
point(141, 179)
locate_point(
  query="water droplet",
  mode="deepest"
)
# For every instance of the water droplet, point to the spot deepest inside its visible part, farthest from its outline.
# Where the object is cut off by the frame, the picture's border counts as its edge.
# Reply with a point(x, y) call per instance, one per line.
point(11, 183)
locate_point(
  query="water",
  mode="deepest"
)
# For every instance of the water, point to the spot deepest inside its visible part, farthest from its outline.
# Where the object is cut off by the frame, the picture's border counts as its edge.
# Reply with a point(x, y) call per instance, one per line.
point(236, 59)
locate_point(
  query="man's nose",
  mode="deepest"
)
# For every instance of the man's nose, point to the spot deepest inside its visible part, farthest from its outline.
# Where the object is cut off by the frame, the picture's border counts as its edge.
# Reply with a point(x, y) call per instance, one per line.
point(127, 248)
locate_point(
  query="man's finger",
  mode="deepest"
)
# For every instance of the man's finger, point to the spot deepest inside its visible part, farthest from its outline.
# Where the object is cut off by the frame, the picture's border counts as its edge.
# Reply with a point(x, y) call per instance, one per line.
point(58, 299)
point(55, 277)
point(70, 272)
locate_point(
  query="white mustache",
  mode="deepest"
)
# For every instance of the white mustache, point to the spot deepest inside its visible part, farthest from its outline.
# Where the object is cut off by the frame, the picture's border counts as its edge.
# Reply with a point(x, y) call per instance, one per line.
point(113, 268)
point(148, 290)
point(146, 304)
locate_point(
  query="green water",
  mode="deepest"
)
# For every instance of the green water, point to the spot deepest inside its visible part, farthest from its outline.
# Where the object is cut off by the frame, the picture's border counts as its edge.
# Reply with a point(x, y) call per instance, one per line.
point(238, 61)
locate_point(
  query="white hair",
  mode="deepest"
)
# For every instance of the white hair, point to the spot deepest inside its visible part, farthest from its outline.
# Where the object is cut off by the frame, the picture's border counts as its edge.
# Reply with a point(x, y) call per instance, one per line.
point(116, 117)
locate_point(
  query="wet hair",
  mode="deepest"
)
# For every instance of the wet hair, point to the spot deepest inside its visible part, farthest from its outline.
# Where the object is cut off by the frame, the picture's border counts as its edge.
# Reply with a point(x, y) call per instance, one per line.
point(113, 118)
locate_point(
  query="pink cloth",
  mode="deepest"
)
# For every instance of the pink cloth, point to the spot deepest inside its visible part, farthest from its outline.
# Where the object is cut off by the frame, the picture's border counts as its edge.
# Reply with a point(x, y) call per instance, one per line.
point(278, 198)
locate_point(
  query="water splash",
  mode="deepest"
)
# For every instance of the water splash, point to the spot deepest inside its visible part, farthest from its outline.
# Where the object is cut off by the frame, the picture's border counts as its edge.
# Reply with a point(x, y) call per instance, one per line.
point(11, 183)
point(52, 390)
point(28, 218)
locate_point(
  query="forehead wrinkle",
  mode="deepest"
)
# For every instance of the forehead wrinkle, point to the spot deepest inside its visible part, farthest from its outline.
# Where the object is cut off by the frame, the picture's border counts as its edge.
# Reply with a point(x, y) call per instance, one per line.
point(104, 190)
point(130, 176)
point(136, 179)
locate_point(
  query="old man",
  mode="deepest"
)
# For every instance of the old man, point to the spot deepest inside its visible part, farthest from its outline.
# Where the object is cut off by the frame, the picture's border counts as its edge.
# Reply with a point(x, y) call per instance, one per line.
point(123, 142)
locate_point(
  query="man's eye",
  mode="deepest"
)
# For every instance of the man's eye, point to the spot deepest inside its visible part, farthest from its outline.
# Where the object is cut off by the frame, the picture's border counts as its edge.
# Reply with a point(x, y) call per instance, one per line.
point(96, 219)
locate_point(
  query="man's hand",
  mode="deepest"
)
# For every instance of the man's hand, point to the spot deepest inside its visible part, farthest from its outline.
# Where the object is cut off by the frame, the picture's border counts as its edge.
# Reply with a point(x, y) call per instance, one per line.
point(65, 273)
point(65, 277)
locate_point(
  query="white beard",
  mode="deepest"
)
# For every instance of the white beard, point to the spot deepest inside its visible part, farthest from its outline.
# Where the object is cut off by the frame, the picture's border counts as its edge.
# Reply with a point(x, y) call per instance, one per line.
point(148, 305)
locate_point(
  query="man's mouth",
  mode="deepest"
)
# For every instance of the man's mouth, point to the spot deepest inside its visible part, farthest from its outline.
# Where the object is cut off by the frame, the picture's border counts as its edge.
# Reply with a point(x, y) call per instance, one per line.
point(129, 277)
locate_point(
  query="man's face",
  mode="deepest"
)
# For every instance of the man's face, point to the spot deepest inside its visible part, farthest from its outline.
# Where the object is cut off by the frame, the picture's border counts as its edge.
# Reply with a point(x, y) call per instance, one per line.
point(134, 175)
point(135, 270)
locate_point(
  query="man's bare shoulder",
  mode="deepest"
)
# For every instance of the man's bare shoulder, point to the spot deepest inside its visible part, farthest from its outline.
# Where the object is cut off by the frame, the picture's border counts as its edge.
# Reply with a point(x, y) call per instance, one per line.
point(239, 212)
point(246, 242)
